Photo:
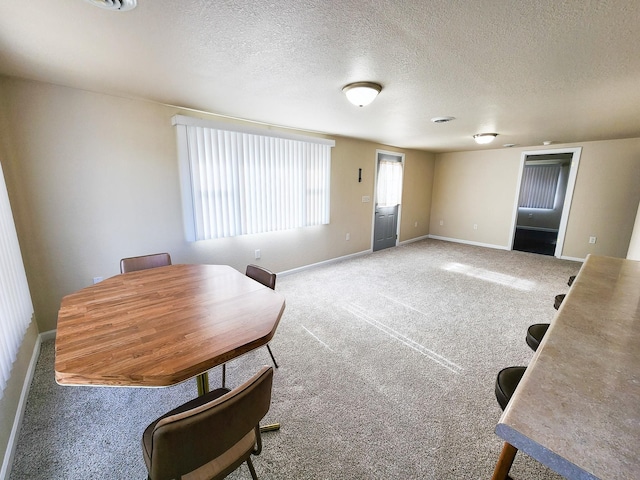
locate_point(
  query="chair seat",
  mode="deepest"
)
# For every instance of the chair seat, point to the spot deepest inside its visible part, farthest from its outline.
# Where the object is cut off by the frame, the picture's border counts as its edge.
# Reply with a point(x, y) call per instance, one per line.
point(506, 384)
point(558, 300)
point(535, 334)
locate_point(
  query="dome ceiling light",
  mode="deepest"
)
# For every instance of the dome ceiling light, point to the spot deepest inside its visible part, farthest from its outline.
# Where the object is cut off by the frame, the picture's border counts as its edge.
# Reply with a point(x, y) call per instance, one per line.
point(484, 138)
point(362, 93)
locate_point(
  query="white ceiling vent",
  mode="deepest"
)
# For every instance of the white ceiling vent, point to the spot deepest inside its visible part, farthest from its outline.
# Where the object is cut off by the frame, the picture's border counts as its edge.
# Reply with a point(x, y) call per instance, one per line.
point(442, 119)
point(119, 5)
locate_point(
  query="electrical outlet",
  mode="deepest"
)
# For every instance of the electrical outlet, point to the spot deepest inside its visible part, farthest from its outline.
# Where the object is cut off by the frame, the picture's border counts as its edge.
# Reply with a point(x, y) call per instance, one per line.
point(475, 226)
point(441, 222)
point(415, 224)
point(592, 239)
point(258, 254)
point(97, 280)
point(366, 199)
point(348, 237)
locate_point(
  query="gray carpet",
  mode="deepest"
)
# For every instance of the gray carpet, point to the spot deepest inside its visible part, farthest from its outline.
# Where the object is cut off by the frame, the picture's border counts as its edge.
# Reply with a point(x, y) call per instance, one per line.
point(387, 370)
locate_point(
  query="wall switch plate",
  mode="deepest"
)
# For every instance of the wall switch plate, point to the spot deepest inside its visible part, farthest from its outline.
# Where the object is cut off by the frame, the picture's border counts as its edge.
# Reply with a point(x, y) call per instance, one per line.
point(441, 222)
point(592, 239)
point(415, 224)
point(348, 237)
point(258, 254)
point(366, 199)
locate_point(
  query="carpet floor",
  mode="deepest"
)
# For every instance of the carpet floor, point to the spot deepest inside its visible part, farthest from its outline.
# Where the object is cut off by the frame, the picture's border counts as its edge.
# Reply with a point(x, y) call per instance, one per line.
point(387, 369)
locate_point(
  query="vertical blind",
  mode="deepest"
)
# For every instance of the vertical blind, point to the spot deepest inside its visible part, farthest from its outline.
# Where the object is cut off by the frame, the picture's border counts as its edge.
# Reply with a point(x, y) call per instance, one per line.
point(389, 187)
point(539, 186)
point(242, 183)
point(16, 309)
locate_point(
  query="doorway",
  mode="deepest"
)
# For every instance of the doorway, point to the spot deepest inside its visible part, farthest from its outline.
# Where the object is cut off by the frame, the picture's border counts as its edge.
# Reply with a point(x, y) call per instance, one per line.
point(388, 199)
point(546, 183)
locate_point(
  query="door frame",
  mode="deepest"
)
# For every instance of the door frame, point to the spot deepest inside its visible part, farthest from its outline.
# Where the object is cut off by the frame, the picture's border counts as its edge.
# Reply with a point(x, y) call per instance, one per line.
point(375, 194)
point(566, 206)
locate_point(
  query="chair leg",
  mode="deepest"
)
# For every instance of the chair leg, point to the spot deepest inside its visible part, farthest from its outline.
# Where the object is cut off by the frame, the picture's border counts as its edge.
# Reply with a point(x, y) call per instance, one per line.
point(507, 455)
point(251, 469)
point(224, 374)
point(272, 357)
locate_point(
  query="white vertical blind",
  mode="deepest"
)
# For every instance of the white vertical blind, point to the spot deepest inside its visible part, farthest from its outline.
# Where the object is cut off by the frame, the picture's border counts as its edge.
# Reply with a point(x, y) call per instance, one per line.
point(389, 188)
point(16, 309)
point(243, 183)
point(539, 186)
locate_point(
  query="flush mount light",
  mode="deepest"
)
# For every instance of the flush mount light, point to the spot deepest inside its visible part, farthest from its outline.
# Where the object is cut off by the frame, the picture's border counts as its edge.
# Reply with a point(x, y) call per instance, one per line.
point(484, 138)
point(362, 93)
point(118, 5)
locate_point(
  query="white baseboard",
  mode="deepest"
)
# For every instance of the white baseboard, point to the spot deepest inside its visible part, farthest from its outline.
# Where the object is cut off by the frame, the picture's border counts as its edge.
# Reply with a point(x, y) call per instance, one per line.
point(468, 242)
point(5, 472)
point(50, 335)
point(573, 259)
point(411, 240)
point(325, 262)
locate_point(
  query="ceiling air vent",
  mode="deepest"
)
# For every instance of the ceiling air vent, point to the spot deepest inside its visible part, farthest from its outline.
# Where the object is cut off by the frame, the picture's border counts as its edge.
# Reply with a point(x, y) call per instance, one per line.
point(119, 5)
point(442, 119)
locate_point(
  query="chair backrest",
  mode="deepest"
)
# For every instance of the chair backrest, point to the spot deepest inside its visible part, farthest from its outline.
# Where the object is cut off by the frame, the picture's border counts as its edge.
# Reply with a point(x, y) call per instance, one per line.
point(186, 441)
point(143, 262)
point(262, 275)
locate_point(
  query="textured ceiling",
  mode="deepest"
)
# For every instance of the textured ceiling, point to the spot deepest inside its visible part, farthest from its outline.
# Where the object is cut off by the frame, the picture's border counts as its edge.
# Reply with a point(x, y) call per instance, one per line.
point(534, 71)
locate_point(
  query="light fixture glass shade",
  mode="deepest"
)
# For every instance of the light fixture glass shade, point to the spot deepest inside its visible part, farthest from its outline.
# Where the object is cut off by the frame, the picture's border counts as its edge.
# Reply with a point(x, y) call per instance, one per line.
point(484, 138)
point(362, 93)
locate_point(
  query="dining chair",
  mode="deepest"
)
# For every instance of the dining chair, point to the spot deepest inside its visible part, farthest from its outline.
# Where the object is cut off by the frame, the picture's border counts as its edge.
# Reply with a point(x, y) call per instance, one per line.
point(132, 264)
point(268, 279)
point(210, 436)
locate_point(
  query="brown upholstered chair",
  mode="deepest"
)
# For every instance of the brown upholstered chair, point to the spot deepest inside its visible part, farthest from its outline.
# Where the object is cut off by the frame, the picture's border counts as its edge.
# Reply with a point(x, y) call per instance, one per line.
point(209, 436)
point(268, 279)
point(144, 262)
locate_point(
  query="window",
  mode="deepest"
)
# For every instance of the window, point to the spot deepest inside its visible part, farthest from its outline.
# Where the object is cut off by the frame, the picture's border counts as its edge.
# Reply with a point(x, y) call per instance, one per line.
point(16, 308)
point(539, 186)
point(389, 187)
point(245, 181)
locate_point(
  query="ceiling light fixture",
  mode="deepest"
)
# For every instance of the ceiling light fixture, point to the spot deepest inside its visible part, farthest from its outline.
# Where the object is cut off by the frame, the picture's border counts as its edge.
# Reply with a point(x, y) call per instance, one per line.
point(484, 138)
point(118, 5)
point(362, 93)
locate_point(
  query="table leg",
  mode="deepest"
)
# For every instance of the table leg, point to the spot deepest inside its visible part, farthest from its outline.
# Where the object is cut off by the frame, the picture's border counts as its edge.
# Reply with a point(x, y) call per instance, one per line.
point(270, 428)
point(203, 383)
point(505, 461)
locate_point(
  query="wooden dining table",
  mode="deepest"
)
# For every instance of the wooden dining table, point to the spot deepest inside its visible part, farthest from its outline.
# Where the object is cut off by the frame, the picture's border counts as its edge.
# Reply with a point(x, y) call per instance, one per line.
point(577, 407)
point(161, 326)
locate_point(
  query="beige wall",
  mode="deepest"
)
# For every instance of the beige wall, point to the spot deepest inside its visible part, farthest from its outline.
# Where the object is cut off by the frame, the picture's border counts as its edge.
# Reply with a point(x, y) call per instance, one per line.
point(416, 195)
point(480, 187)
point(634, 243)
point(94, 178)
point(474, 188)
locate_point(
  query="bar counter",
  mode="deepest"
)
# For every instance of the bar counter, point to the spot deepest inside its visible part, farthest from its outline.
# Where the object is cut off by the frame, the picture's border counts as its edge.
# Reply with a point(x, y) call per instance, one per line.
point(577, 408)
